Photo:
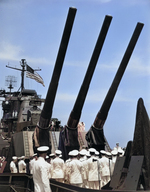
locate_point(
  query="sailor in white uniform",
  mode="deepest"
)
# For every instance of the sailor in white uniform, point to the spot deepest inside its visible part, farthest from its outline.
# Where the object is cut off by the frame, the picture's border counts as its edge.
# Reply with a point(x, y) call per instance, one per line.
point(13, 167)
point(52, 157)
point(31, 163)
point(41, 171)
point(83, 160)
point(57, 167)
point(67, 162)
point(104, 168)
point(113, 161)
point(93, 173)
point(75, 170)
point(22, 165)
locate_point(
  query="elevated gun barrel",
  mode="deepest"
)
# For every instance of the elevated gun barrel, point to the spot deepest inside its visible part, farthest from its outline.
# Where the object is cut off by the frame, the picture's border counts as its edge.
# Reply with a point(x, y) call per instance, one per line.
point(69, 135)
point(43, 128)
point(50, 97)
point(95, 136)
point(76, 112)
point(103, 112)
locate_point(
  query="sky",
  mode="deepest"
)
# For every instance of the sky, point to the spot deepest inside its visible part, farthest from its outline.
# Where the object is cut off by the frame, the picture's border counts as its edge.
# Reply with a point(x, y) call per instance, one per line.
point(33, 29)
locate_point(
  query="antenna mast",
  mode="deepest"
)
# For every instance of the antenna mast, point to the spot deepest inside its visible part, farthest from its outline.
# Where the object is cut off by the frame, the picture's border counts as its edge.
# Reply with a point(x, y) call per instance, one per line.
point(23, 64)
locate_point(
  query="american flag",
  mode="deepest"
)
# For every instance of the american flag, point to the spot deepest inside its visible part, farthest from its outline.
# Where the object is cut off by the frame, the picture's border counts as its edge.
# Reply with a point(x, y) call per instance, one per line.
point(30, 73)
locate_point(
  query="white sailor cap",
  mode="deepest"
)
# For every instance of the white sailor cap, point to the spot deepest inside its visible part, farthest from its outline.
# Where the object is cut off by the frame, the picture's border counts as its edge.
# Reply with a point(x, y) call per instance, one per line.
point(58, 152)
point(108, 153)
point(70, 153)
point(96, 153)
point(75, 152)
point(88, 154)
point(83, 152)
point(103, 152)
point(114, 152)
point(92, 150)
point(35, 154)
point(22, 157)
point(120, 150)
point(52, 155)
point(43, 149)
point(14, 157)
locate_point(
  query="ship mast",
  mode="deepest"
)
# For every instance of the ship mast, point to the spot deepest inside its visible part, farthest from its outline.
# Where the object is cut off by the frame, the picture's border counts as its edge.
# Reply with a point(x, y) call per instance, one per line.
point(23, 64)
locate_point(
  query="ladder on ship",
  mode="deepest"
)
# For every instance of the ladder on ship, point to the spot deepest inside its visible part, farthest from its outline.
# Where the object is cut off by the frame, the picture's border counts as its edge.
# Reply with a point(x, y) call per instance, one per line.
point(54, 140)
point(81, 142)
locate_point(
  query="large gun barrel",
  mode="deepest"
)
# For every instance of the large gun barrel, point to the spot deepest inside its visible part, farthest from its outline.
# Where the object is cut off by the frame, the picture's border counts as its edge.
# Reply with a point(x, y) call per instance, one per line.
point(69, 135)
point(50, 97)
point(76, 112)
point(102, 114)
point(94, 136)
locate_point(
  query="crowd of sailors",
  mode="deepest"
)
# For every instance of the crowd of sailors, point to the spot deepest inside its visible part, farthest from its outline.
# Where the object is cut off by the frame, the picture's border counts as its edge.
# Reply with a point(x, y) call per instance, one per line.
point(87, 168)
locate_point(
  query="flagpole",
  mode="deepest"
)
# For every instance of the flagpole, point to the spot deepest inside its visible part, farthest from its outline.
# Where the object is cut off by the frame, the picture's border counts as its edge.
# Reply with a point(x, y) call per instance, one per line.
point(22, 73)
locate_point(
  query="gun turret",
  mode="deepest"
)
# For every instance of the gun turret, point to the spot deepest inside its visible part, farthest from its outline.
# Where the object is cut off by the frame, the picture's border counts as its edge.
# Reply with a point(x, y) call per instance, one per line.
point(95, 137)
point(42, 130)
point(72, 141)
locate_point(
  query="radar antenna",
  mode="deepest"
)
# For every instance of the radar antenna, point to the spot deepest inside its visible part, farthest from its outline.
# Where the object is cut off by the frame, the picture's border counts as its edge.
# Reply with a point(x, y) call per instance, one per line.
point(10, 82)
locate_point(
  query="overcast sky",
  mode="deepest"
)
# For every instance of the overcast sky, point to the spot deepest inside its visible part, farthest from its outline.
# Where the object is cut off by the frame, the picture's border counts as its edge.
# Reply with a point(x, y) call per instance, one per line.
point(32, 30)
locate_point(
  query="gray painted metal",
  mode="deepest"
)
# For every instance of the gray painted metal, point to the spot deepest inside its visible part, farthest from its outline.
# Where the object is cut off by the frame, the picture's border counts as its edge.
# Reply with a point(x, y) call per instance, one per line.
point(134, 172)
point(117, 172)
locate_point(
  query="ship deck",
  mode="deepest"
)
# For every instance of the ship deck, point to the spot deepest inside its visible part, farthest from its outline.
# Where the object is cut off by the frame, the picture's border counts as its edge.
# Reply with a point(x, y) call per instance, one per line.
point(20, 182)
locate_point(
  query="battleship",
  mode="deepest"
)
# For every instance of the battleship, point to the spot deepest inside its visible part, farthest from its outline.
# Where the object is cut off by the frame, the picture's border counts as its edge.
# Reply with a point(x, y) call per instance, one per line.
point(25, 126)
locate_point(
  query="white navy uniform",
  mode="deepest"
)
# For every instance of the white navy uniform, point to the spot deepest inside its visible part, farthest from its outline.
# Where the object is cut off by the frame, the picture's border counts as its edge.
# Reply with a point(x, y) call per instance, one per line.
point(31, 164)
point(41, 176)
point(13, 167)
point(75, 169)
point(93, 173)
point(22, 166)
point(57, 169)
point(85, 171)
point(66, 175)
point(105, 171)
point(113, 161)
point(49, 167)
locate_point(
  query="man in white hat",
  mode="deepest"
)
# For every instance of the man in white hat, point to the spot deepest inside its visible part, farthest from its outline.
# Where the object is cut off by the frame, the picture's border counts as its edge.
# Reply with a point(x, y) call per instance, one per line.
point(22, 165)
point(32, 161)
point(93, 173)
point(104, 168)
point(120, 152)
point(67, 162)
point(75, 170)
point(57, 167)
point(83, 160)
point(52, 157)
point(13, 167)
point(113, 161)
point(41, 171)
